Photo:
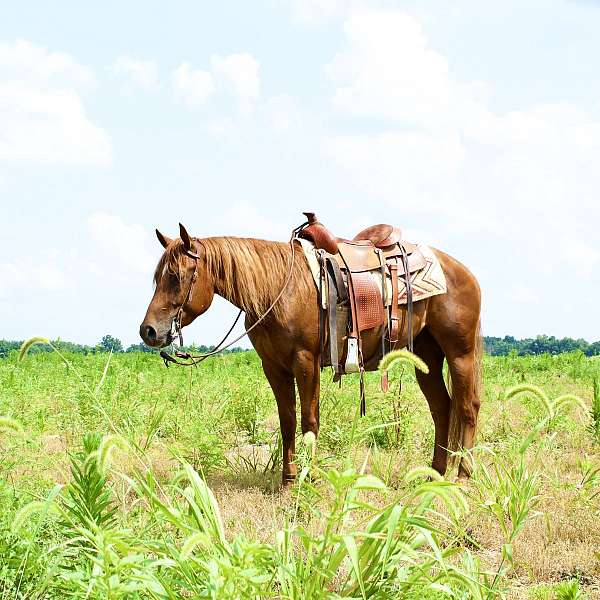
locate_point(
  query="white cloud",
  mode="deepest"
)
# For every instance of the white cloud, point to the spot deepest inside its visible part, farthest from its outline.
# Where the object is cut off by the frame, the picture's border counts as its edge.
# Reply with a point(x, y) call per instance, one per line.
point(101, 284)
point(248, 220)
point(113, 249)
point(240, 72)
point(399, 165)
point(283, 113)
point(143, 73)
point(48, 127)
point(193, 86)
point(42, 116)
point(222, 129)
point(235, 74)
point(388, 71)
point(25, 62)
point(438, 152)
point(127, 244)
point(26, 274)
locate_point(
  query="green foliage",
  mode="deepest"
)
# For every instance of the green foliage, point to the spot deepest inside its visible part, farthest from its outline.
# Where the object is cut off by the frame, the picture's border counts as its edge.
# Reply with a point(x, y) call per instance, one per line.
point(137, 517)
point(566, 590)
point(107, 344)
point(496, 346)
point(542, 344)
point(43, 345)
point(569, 590)
point(141, 347)
point(111, 344)
point(89, 501)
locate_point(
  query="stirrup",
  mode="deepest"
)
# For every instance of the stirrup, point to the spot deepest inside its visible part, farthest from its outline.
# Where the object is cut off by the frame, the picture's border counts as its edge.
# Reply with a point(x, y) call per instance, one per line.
point(352, 364)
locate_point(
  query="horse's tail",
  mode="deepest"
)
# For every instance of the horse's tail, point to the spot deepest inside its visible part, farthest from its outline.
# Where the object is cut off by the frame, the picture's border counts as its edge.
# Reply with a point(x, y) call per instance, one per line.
point(455, 426)
point(478, 364)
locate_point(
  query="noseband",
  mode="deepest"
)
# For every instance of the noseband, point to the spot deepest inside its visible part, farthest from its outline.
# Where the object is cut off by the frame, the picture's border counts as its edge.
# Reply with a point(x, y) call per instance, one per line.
point(176, 326)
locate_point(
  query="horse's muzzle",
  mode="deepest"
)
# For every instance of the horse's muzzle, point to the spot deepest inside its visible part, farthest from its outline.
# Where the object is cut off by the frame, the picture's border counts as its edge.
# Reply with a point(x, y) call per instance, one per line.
point(154, 338)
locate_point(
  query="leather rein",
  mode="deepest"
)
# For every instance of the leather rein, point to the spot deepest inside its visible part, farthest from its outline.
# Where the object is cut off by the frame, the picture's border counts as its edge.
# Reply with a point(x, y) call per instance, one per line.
point(185, 359)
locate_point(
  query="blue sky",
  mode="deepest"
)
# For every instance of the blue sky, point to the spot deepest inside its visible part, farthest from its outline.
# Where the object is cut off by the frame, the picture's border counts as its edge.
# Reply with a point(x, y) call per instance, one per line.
point(473, 125)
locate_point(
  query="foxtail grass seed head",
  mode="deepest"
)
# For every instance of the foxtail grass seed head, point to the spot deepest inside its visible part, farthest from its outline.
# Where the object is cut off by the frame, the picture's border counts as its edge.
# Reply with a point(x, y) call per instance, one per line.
point(29, 343)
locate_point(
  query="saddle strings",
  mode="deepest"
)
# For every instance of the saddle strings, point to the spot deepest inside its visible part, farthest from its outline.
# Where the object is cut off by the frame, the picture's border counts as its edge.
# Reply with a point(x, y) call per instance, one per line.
point(195, 359)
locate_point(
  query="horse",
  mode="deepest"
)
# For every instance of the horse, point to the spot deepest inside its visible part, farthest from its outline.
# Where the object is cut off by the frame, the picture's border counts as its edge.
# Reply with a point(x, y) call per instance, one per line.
point(250, 273)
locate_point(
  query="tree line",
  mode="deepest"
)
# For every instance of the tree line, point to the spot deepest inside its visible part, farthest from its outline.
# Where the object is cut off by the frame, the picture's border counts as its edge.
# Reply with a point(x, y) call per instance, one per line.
point(496, 346)
point(542, 344)
point(107, 344)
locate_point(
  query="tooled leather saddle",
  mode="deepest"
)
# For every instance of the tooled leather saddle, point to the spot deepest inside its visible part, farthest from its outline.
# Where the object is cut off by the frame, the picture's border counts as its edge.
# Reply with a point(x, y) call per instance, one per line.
point(350, 298)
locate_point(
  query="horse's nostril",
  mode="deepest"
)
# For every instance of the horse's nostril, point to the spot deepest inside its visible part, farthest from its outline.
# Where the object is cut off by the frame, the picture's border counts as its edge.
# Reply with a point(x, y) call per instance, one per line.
point(151, 333)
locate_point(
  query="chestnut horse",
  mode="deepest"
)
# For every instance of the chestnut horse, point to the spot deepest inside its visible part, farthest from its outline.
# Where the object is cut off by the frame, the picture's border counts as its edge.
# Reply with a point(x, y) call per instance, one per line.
point(250, 273)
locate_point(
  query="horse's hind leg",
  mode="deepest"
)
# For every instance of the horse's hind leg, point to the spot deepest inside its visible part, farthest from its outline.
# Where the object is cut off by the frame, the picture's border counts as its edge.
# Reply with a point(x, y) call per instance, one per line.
point(464, 377)
point(433, 387)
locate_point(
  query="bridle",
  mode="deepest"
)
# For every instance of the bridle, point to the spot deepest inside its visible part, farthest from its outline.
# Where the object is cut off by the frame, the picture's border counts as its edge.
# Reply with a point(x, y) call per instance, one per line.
point(186, 359)
point(176, 326)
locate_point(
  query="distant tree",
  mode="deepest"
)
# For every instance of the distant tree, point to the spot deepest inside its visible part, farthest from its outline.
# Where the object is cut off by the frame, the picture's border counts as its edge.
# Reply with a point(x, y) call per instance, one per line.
point(593, 349)
point(110, 343)
point(542, 344)
point(141, 347)
point(7, 346)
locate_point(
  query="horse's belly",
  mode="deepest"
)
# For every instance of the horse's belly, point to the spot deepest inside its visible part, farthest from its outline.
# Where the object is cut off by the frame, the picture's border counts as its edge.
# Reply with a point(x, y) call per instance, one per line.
point(372, 346)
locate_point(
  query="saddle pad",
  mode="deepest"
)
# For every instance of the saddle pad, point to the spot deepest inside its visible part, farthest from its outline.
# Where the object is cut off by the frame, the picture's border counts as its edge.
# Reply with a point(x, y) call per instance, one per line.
point(428, 281)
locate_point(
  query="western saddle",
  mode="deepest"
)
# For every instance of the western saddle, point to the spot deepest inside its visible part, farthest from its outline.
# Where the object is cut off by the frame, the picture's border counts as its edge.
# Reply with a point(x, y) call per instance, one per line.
point(350, 299)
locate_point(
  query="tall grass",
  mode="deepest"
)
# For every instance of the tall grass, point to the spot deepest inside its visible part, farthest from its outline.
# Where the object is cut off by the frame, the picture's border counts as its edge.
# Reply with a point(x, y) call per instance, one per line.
point(361, 521)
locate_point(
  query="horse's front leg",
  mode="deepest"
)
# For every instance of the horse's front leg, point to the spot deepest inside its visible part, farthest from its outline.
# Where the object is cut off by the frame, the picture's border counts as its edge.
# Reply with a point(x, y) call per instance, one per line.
point(282, 384)
point(308, 377)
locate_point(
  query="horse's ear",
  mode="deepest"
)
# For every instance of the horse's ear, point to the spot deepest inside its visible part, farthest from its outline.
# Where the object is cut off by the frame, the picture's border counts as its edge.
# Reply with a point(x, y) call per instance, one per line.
point(185, 238)
point(163, 239)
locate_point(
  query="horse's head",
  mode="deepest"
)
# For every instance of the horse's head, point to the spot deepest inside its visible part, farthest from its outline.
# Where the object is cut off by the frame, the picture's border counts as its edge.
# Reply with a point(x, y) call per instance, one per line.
point(184, 289)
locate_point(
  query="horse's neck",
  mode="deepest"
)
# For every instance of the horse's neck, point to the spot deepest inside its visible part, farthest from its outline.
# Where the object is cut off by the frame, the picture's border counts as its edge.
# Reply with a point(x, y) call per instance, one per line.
point(249, 271)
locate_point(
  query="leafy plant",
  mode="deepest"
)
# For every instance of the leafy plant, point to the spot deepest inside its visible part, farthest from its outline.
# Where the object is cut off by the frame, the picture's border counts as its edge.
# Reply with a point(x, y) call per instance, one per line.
point(89, 500)
point(569, 590)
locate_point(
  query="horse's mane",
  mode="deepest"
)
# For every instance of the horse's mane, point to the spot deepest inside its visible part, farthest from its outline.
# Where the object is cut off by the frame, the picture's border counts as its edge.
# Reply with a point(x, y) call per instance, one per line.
point(250, 272)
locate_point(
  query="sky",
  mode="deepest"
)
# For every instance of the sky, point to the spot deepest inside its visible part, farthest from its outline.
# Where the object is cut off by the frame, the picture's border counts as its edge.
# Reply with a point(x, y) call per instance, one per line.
point(475, 126)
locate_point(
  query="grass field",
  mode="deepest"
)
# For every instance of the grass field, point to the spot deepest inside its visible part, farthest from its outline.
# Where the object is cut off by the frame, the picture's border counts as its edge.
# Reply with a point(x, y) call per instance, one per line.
point(134, 520)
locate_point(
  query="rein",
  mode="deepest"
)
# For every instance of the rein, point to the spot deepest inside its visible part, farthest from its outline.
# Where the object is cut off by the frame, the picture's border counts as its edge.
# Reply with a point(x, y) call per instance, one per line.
point(177, 327)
